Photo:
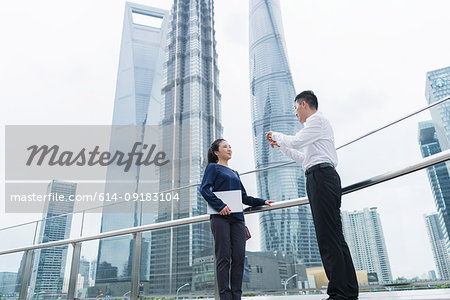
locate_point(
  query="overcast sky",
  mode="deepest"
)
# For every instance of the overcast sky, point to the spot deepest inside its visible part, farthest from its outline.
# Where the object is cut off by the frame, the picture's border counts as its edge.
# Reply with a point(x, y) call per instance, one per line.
point(365, 60)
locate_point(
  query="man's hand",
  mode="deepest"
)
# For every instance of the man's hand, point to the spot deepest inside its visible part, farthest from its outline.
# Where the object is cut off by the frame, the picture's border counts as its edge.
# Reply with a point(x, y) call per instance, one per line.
point(225, 211)
point(270, 140)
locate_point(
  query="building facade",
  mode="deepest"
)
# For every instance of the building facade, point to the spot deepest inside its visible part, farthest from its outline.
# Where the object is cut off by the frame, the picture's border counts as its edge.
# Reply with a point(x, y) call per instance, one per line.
point(8, 284)
point(438, 175)
point(271, 270)
point(49, 264)
point(263, 271)
point(438, 245)
point(191, 121)
point(364, 235)
point(438, 87)
point(272, 100)
point(137, 103)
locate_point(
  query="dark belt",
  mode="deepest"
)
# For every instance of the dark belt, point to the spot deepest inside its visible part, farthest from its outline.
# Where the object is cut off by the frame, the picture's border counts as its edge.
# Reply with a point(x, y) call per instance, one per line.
point(318, 166)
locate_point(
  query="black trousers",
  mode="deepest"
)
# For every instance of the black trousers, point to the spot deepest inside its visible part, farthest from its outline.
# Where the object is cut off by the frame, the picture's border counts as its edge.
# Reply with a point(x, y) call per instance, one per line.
point(323, 187)
point(229, 237)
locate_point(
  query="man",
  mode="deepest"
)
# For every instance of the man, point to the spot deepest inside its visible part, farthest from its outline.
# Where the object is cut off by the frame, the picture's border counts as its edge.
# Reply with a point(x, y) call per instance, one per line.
point(323, 186)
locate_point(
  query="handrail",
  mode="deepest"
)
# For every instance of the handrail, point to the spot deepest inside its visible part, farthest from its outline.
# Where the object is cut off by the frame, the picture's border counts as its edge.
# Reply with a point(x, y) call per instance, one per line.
point(361, 137)
point(428, 161)
point(424, 163)
point(246, 172)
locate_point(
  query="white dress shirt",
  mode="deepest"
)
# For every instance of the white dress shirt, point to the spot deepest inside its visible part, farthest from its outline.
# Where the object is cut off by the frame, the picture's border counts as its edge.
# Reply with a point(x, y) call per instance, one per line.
point(317, 139)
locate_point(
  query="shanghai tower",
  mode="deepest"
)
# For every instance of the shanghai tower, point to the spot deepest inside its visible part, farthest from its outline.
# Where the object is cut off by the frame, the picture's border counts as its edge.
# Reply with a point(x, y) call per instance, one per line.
point(272, 100)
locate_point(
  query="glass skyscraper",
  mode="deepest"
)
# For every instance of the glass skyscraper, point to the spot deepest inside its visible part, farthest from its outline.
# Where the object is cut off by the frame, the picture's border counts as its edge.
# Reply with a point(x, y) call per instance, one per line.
point(137, 103)
point(49, 264)
point(364, 235)
point(438, 245)
point(272, 101)
point(191, 118)
point(438, 176)
point(438, 87)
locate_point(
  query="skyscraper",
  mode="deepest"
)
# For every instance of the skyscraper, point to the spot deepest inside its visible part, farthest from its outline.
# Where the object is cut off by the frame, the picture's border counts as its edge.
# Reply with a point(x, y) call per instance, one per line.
point(191, 116)
point(137, 103)
point(438, 175)
point(272, 101)
point(49, 264)
point(438, 245)
point(438, 87)
point(83, 270)
point(364, 235)
point(7, 283)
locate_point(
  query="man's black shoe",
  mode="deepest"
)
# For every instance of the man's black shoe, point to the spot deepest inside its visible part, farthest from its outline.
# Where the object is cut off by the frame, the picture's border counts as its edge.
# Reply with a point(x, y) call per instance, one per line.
point(331, 298)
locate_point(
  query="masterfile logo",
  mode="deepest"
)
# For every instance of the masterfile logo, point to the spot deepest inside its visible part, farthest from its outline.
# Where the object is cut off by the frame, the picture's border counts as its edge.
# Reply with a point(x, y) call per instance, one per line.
point(108, 164)
point(86, 152)
point(53, 156)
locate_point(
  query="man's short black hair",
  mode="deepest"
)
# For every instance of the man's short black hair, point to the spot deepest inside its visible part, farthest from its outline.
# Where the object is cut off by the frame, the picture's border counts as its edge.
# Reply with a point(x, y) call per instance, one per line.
point(308, 97)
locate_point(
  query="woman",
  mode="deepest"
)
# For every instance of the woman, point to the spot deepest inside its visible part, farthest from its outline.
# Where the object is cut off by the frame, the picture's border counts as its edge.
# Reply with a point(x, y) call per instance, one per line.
point(227, 227)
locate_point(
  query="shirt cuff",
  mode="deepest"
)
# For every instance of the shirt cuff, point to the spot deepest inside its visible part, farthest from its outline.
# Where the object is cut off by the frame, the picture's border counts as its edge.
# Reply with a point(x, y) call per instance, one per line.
point(276, 136)
point(285, 151)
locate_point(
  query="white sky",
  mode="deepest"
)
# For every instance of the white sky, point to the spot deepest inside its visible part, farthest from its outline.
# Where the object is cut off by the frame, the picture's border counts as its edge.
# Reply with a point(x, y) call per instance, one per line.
point(366, 61)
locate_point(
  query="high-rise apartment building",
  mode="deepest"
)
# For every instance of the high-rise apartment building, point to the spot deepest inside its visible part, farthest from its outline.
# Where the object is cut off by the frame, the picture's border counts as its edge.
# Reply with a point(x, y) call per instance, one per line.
point(438, 175)
point(438, 87)
point(438, 245)
point(364, 235)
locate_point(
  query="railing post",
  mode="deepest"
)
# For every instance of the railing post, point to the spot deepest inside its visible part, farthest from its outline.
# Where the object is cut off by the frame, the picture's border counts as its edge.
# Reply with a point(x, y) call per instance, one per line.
point(35, 232)
point(26, 274)
point(82, 223)
point(216, 286)
point(74, 271)
point(136, 266)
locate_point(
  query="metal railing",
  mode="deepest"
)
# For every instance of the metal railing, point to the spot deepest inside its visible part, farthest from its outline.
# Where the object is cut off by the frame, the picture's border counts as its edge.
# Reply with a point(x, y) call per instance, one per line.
point(137, 231)
point(251, 171)
point(422, 164)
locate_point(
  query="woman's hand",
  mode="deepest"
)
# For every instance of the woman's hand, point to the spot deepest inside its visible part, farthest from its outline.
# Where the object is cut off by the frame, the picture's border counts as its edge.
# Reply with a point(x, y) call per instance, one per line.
point(269, 202)
point(225, 211)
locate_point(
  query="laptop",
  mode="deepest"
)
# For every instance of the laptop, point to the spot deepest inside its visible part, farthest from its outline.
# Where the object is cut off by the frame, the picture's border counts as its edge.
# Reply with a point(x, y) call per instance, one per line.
point(231, 198)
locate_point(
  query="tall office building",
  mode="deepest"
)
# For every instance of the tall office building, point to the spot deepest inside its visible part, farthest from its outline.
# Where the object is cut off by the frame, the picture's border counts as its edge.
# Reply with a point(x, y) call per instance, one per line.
point(438, 175)
point(364, 235)
point(83, 270)
point(191, 118)
point(272, 101)
point(49, 264)
point(137, 103)
point(93, 270)
point(438, 87)
point(438, 245)
point(8, 284)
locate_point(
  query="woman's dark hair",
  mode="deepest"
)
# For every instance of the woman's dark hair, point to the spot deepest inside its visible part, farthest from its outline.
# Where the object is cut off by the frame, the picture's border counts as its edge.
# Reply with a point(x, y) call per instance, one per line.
point(212, 157)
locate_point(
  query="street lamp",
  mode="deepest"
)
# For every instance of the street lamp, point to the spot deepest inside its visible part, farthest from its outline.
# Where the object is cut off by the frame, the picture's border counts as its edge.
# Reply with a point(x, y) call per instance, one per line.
point(126, 294)
point(285, 282)
point(186, 284)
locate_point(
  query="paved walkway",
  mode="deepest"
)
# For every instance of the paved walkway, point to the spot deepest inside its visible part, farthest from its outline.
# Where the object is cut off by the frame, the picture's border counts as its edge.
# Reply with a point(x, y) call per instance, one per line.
point(434, 294)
